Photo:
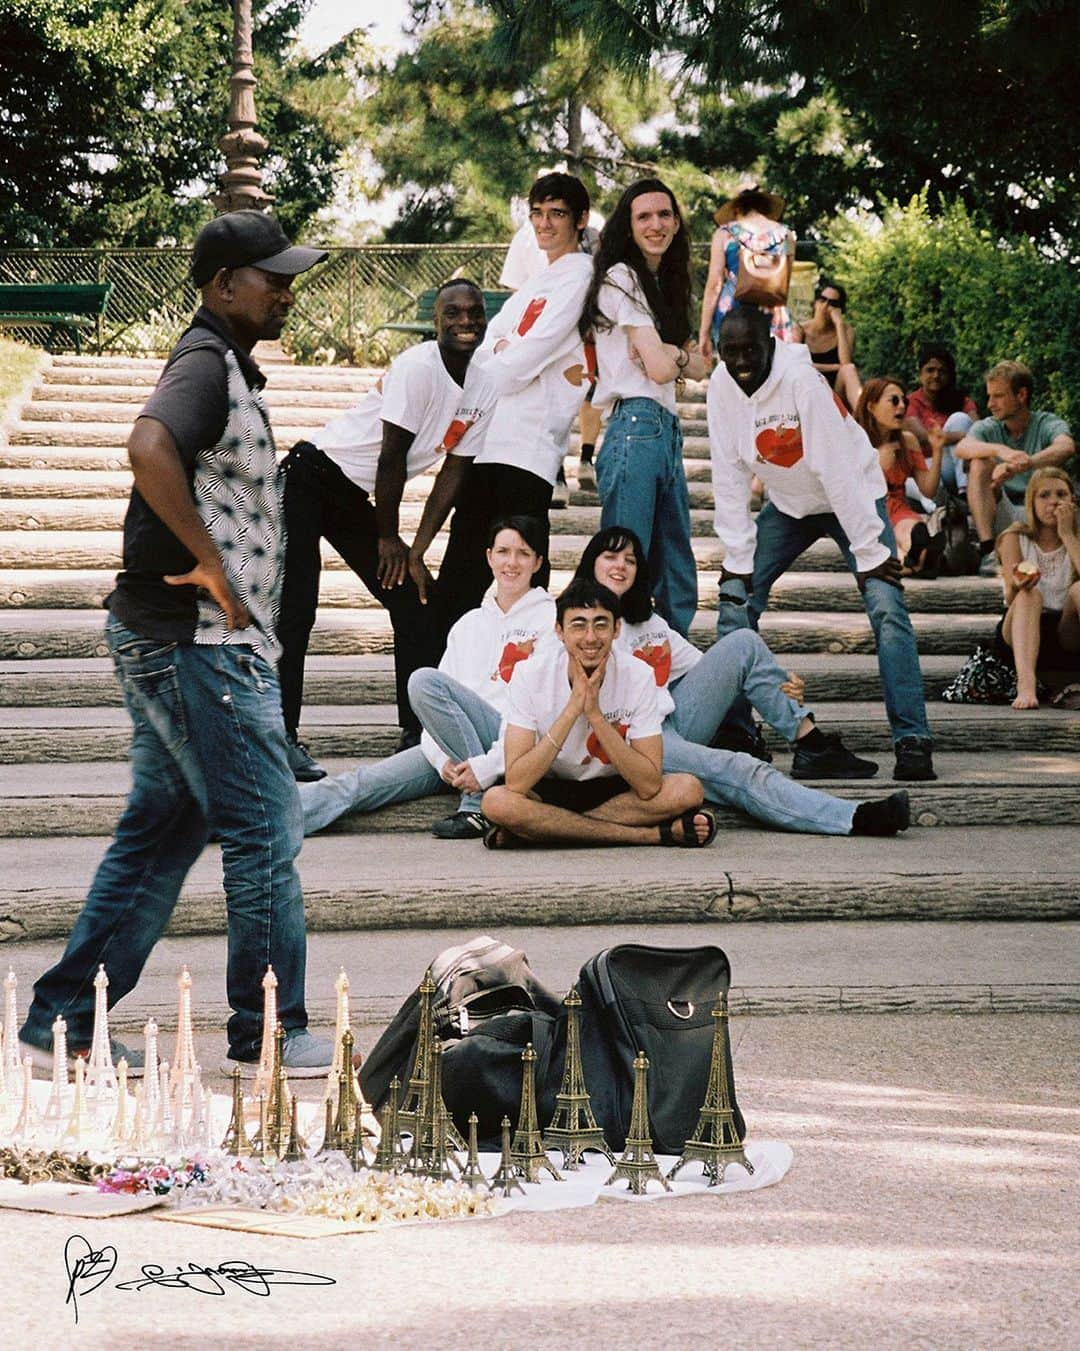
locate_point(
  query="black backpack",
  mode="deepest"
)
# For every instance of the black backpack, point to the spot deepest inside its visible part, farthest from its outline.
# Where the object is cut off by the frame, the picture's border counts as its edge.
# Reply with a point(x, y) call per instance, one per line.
point(656, 1000)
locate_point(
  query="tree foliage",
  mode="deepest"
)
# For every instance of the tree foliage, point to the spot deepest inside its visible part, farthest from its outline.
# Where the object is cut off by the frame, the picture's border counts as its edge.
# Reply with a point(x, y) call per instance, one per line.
point(922, 277)
point(973, 100)
point(111, 110)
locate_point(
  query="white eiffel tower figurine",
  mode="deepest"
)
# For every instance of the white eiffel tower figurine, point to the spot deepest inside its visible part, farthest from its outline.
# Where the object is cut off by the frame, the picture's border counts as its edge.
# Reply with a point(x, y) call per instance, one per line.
point(184, 1074)
point(100, 1073)
point(28, 1120)
point(150, 1109)
point(12, 1063)
point(342, 1025)
point(264, 1078)
point(121, 1127)
point(164, 1123)
point(77, 1122)
point(56, 1105)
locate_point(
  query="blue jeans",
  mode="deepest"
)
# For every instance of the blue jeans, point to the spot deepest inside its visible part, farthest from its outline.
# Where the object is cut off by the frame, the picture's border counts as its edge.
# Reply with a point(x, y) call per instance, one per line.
point(208, 753)
point(737, 665)
point(780, 540)
point(642, 484)
point(954, 474)
point(399, 778)
point(460, 723)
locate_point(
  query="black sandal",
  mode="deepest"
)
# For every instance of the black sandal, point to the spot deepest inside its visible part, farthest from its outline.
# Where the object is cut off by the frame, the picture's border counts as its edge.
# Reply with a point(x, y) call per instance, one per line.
point(498, 837)
point(688, 839)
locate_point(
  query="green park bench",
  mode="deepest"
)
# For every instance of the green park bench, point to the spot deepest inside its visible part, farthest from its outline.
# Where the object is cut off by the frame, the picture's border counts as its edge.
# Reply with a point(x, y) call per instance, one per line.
point(424, 323)
point(62, 306)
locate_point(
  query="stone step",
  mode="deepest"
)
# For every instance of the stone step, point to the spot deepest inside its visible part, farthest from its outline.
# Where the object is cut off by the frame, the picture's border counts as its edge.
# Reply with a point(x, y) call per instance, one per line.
point(58, 734)
point(343, 632)
point(75, 588)
point(369, 882)
point(88, 681)
point(1006, 788)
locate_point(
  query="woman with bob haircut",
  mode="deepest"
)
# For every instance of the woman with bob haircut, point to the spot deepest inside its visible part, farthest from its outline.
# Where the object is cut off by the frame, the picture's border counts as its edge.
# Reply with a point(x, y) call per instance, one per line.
point(637, 310)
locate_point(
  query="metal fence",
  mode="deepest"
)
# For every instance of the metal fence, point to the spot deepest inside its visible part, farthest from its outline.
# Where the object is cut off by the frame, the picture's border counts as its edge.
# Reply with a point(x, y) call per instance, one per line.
point(341, 308)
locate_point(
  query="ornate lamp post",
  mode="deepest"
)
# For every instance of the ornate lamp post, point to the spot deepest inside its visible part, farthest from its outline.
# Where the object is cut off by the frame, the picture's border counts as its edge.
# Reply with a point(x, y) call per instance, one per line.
point(241, 183)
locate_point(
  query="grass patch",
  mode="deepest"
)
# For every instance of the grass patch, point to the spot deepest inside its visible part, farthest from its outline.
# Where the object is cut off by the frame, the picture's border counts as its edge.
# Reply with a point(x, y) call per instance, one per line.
point(18, 362)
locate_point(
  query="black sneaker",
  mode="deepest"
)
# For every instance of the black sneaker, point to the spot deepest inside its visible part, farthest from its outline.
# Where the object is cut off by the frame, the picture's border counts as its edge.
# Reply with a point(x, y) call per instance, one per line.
point(305, 769)
point(730, 737)
point(832, 760)
point(914, 760)
point(461, 826)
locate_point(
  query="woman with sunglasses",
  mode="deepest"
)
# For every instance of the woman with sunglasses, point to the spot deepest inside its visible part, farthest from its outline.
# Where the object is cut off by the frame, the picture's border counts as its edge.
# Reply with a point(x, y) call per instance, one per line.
point(697, 690)
point(881, 414)
point(831, 341)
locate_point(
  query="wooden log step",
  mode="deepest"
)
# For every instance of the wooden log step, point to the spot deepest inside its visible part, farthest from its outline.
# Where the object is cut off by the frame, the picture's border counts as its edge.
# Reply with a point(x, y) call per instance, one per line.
point(343, 632)
point(797, 592)
point(1008, 789)
point(356, 882)
point(88, 681)
point(364, 730)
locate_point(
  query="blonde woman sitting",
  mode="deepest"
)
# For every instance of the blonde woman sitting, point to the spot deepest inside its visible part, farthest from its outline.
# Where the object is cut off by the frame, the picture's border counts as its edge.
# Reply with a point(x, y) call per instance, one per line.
point(1040, 560)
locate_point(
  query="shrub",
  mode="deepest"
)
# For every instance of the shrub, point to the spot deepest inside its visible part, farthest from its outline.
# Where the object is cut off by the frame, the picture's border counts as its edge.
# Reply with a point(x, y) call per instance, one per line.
point(922, 277)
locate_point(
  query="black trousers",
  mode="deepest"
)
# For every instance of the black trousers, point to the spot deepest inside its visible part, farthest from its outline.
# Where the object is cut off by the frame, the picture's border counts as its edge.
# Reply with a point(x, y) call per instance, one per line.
point(322, 503)
point(489, 491)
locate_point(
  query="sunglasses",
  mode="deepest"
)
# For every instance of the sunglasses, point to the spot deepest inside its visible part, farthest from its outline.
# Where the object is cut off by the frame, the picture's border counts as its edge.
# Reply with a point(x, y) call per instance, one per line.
point(896, 400)
point(835, 301)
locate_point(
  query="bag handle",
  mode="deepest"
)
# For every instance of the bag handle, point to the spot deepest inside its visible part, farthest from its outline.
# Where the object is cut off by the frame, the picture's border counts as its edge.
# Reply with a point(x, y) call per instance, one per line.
point(686, 1003)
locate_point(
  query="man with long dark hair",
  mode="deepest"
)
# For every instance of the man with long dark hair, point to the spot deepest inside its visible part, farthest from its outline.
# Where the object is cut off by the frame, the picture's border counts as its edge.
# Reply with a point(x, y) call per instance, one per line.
point(638, 310)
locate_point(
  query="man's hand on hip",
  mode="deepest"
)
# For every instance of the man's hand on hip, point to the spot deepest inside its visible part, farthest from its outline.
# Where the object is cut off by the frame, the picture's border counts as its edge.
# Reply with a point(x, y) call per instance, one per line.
point(393, 561)
point(889, 571)
point(211, 577)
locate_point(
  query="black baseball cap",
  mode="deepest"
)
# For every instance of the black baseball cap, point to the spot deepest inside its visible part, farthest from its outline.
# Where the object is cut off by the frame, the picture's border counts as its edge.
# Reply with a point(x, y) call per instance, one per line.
point(248, 239)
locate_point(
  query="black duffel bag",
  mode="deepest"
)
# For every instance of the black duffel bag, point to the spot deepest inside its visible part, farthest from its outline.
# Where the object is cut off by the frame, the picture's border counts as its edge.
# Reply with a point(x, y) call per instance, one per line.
point(657, 1000)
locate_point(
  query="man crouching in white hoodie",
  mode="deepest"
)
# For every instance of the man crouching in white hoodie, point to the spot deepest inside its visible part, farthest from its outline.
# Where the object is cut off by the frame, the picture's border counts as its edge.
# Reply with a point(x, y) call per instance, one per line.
point(771, 414)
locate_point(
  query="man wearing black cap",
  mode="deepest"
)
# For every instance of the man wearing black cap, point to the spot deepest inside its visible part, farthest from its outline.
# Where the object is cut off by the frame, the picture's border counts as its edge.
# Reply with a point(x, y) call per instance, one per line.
point(191, 631)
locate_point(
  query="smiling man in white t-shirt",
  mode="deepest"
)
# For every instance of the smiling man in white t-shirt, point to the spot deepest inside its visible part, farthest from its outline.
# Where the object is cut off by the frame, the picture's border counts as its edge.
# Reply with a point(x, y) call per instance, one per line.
point(432, 404)
point(583, 745)
point(534, 355)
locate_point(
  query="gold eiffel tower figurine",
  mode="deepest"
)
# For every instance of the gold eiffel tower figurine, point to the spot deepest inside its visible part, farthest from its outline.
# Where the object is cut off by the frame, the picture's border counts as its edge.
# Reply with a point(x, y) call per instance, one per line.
point(638, 1162)
point(414, 1101)
point(432, 1145)
point(389, 1155)
point(236, 1142)
point(345, 1119)
point(527, 1151)
point(573, 1128)
point(715, 1141)
point(505, 1177)
point(330, 1141)
point(294, 1149)
point(357, 1157)
point(472, 1174)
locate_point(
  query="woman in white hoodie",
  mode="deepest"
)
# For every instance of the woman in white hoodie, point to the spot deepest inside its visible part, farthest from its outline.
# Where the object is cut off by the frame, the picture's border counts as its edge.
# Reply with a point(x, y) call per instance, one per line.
point(696, 691)
point(460, 705)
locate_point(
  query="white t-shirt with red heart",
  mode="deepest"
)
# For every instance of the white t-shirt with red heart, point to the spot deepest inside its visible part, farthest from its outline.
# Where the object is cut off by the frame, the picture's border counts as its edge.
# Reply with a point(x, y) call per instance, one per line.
point(541, 689)
point(418, 393)
point(622, 301)
point(666, 653)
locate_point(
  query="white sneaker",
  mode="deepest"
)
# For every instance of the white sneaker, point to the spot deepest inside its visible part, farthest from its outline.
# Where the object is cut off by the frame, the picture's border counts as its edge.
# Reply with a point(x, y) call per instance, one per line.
point(989, 566)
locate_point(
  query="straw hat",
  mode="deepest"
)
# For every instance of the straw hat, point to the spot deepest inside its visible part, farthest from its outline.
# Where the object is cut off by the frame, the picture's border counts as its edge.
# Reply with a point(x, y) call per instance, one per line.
point(773, 208)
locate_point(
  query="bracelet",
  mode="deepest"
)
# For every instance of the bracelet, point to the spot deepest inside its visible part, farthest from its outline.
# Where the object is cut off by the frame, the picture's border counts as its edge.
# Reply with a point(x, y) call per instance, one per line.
point(558, 748)
point(682, 360)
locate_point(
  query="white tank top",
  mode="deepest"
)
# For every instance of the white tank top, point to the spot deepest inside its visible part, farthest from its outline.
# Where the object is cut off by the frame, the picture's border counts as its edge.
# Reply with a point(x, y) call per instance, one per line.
point(1055, 568)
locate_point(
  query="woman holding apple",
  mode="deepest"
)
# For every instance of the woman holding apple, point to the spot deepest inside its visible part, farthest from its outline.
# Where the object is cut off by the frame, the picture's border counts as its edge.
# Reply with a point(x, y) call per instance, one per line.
point(1040, 560)
point(696, 691)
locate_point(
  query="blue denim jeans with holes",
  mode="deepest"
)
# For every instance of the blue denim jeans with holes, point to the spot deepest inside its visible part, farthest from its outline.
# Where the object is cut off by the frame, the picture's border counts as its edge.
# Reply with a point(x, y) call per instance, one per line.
point(642, 485)
point(208, 753)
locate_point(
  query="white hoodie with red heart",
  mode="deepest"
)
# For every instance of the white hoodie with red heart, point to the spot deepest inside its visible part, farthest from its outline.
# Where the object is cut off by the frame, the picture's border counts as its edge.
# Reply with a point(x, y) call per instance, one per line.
point(807, 449)
point(483, 650)
point(540, 372)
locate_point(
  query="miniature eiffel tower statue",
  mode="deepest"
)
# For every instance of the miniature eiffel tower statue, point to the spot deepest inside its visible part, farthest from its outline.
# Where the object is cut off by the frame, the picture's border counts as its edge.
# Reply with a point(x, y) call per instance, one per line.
point(342, 1025)
point(413, 1104)
point(715, 1141)
point(121, 1126)
point(389, 1156)
point(472, 1174)
point(432, 1146)
point(77, 1123)
point(100, 1074)
point(277, 1109)
point(184, 1070)
point(151, 1106)
point(573, 1128)
point(505, 1177)
point(527, 1150)
point(260, 1146)
point(295, 1147)
point(26, 1122)
point(54, 1108)
point(265, 1075)
point(12, 1063)
point(638, 1162)
point(357, 1157)
point(139, 1135)
point(163, 1123)
point(345, 1120)
point(236, 1142)
point(330, 1141)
